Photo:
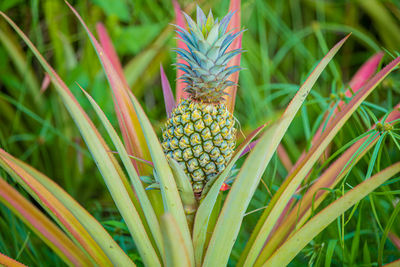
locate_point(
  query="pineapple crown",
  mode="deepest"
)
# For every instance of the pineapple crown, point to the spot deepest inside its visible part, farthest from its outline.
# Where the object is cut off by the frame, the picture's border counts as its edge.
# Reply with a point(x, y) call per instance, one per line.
point(206, 73)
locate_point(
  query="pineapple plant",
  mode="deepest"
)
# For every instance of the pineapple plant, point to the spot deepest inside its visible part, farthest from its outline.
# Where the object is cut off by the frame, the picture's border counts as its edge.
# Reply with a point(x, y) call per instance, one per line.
point(200, 134)
point(162, 234)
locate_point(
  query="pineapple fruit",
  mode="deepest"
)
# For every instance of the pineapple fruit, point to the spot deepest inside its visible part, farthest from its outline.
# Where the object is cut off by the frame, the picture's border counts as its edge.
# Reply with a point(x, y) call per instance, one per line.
point(200, 134)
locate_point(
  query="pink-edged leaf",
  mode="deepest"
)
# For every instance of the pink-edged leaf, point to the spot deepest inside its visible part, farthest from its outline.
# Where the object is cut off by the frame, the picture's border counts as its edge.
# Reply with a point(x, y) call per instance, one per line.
point(395, 240)
point(42, 226)
point(301, 237)
point(328, 179)
point(323, 142)
point(358, 80)
point(179, 20)
point(288, 188)
point(167, 92)
point(127, 118)
point(364, 73)
point(45, 83)
point(94, 228)
point(234, 6)
point(106, 162)
point(395, 263)
point(7, 261)
point(249, 148)
point(356, 83)
point(284, 157)
point(108, 47)
point(54, 207)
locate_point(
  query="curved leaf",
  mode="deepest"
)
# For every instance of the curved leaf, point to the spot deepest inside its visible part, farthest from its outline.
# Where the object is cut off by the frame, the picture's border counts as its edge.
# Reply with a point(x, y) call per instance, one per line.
point(42, 226)
point(205, 209)
point(94, 228)
point(176, 251)
point(246, 182)
point(305, 234)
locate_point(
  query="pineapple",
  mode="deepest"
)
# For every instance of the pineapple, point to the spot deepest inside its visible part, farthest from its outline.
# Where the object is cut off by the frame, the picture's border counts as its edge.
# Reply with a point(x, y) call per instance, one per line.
point(200, 134)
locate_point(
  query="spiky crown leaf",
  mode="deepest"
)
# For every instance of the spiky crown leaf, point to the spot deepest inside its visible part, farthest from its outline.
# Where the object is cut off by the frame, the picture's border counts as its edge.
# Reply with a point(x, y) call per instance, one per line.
point(206, 73)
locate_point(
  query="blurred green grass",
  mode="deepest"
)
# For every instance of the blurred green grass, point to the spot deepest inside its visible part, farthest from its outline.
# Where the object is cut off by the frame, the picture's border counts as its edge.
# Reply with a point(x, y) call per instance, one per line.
point(283, 41)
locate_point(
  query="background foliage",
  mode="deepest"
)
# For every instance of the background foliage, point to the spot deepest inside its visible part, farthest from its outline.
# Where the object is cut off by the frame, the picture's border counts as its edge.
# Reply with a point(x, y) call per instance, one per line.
point(283, 41)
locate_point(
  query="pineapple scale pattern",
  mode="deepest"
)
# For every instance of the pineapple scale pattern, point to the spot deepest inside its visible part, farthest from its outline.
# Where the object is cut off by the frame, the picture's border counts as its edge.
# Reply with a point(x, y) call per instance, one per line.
point(201, 138)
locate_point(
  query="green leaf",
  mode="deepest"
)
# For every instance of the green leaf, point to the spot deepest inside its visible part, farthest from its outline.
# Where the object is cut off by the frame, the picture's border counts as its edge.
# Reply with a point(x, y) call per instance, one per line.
point(176, 251)
point(134, 177)
point(230, 219)
point(205, 209)
point(42, 226)
point(89, 223)
point(111, 172)
point(185, 190)
point(291, 183)
point(305, 234)
point(171, 199)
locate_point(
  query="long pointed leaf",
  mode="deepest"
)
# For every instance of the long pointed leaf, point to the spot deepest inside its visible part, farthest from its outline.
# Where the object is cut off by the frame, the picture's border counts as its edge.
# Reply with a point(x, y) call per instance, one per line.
point(94, 228)
point(234, 6)
point(171, 199)
point(293, 181)
point(167, 92)
point(115, 181)
point(304, 235)
point(42, 226)
point(328, 179)
point(175, 249)
point(55, 208)
point(135, 180)
point(127, 119)
point(246, 182)
point(205, 209)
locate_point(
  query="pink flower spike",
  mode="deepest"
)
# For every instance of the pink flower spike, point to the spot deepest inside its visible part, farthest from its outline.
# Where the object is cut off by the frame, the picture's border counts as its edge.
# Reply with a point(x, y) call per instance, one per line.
point(167, 92)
